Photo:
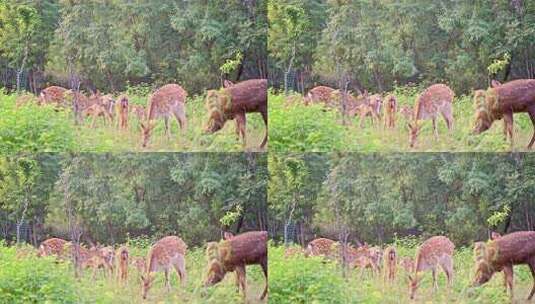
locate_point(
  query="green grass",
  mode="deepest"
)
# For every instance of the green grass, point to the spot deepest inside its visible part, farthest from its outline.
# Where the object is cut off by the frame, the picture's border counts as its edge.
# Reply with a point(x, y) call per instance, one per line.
point(40, 129)
point(24, 278)
point(297, 128)
point(312, 280)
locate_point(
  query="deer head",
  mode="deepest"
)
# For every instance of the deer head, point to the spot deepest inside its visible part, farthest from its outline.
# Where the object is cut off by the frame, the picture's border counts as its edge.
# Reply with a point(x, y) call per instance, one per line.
point(217, 103)
point(146, 132)
point(414, 282)
point(414, 131)
point(147, 281)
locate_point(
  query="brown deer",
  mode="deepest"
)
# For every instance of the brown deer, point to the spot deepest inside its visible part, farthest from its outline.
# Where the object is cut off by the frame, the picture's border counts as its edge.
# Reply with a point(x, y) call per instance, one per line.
point(122, 267)
point(321, 247)
point(502, 253)
point(53, 95)
point(167, 253)
point(406, 112)
point(53, 246)
point(139, 111)
point(435, 251)
point(502, 101)
point(108, 255)
point(235, 102)
point(122, 105)
point(435, 100)
point(235, 254)
point(139, 264)
point(391, 109)
point(166, 101)
point(319, 94)
point(390, 263)
point(97, 110)
point(407, 263)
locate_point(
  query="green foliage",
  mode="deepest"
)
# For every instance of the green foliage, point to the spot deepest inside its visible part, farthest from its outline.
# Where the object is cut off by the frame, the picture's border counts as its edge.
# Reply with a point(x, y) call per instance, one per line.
point(30, 128)
point(298, 128)
point(24, 278)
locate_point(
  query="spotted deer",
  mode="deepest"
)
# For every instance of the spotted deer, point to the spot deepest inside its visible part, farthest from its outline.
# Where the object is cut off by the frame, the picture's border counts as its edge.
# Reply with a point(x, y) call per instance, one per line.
point(235, 254)
point(406, 112)
point(407, 263)
point(165, 254)
point(321, 247)
point(319, 94)
point(391, 109)
point(435, 251)
point(139, 111)
point(139, 263)
point(53, 246)
point(390, 264)
point(167, 101)
point(435, 100)
point(53, 95)
point(122, 257)
point(502, 253)
point(123, 109)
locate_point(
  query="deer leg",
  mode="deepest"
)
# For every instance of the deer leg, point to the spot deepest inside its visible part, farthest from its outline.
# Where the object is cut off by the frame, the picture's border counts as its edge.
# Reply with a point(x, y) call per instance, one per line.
point(242, 278)
point(532, 116)
point(180, 267)
point(241, 122)
point(435, 283)
point(265, 118)
point(180, 115)
point(508, 119)
point(167, 285)
point(532, 268)
point(265, 270)
point(508, 275)
point(435, 131)
point(447, 266)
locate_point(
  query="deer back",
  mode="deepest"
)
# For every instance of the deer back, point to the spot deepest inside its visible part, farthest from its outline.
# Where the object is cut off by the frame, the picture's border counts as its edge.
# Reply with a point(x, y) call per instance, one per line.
point(431, 251)
point(433, 101)
point(320, 94)
point(163, 251)
point(517, 95)
point(321, 247)
point(163, 100)
point(516, 248)
point(246, 248)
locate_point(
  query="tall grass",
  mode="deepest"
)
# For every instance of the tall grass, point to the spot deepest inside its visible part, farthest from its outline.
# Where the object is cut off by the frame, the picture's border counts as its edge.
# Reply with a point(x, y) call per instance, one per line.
point(24, 278)
point(297, 279)
point(295, 127)
point(42, 129)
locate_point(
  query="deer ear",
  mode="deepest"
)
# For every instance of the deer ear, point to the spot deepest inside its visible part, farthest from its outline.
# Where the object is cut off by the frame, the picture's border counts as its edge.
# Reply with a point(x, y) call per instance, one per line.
point(495, 83)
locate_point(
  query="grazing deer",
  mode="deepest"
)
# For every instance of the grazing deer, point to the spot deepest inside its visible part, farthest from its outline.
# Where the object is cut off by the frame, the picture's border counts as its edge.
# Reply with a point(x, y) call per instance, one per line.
point(53, 246)
point(235, 102)
point(167, 253)
point(502, 253)
point(407, 263)
point(122, 112)
point(93, 258)
point(108, 255)
point(319, 94)
point(139, 111)
point(502, 101)
point(391, 109)
point(97, 110)
point(435, 100)
point(235, 254)
point(122, 258)
point(435, 251)
point(139, 264)
point(321, 247)
point(166, 101)
point(390, 263)
point(53, 96)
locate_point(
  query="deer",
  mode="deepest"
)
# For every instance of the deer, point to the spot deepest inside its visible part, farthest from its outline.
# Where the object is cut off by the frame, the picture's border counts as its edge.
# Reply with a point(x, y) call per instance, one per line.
point(503, 101)
point(108, 255)
point(436, 99)
point(319, 94)
point(502, 253)
point(391, 109)
point(139, 111)
point(139, 263)
point(169, 100)
point(406, 112)
point(321, 247)
point(53, 95)
point(167, 253)
point(407, 263)
point(122, 256)
point(122, 105)
point(93, 258)
point(435, 251)
point(53, 246)
point(390, 264)
point(234, 254)
point(235, 102)
point(97, 110)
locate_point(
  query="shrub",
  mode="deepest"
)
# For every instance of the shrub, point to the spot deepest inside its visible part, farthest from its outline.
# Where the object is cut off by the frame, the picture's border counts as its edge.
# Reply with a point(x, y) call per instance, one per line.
point(30, 128)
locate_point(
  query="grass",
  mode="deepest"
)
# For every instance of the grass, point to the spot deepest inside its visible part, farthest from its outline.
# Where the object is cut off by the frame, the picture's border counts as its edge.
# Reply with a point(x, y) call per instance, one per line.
point(299, 121)
point(55, 283)
point(365, 287)
point(108, 138)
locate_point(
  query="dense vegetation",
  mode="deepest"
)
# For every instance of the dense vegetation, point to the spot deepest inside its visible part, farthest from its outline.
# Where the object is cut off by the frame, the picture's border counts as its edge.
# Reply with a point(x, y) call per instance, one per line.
point(24, 278)
point(112, 197)
point(377, 45)
point(110, 44)
point(296, 279)
point(376, 197)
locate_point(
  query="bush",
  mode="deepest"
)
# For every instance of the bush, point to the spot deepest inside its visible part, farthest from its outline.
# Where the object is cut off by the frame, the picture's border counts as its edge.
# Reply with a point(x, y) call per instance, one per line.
point(299, 128)
point(32, 129)
point(28, 279)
